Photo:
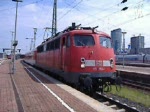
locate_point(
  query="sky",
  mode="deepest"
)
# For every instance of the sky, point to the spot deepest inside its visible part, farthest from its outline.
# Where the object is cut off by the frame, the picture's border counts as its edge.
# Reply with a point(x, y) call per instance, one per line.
point(106, 14)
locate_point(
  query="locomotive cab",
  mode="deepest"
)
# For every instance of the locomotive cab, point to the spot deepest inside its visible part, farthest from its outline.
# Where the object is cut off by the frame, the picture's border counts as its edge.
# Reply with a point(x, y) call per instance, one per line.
point(80, 56)
point(92, 59)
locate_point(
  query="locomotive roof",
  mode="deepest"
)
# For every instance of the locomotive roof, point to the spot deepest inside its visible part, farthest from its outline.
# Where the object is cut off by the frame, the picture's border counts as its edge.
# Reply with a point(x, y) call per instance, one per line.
point(76, 30)
point(88, 32)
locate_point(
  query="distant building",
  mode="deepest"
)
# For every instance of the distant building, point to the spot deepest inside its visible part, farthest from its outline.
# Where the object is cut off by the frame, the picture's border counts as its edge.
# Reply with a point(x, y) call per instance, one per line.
point(116, 36)
point(144, 50)
point(137, 42)
point(1, 55)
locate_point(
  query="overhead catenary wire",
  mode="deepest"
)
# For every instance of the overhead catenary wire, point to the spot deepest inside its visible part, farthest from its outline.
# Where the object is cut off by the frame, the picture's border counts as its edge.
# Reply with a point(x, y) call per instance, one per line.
point(21, 5)
point(69, 10)
point(130, 20)
point(61, 13)
point(93, 15)
point(102, 18)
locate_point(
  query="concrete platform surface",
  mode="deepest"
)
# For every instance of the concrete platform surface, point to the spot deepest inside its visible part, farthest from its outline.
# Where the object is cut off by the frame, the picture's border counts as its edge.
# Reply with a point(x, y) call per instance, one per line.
point(29, 90)
point(140, 70)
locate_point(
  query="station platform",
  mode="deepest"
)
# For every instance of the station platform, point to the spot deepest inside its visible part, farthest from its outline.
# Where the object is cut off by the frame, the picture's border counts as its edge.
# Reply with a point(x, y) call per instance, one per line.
point(29, 90)
point(140, 70)
point(135, 73)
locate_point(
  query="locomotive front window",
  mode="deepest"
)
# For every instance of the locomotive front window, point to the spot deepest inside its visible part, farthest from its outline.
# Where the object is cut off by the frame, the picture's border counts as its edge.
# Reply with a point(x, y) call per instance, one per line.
point(105, 42)
point(84, 40)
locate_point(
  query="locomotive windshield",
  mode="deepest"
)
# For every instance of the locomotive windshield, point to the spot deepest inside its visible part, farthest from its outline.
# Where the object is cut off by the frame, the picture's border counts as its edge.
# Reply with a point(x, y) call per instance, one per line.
point(105, 42)
point(84, 40)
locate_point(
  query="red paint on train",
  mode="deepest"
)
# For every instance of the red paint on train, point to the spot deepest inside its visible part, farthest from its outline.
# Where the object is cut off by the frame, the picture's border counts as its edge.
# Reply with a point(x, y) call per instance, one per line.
point(78, 53)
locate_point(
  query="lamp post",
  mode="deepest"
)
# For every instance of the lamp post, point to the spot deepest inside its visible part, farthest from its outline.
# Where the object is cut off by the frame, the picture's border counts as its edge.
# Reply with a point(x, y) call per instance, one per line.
point(35, 30)
point(123, 47)
point(31, 43)
point(12, 41)
point(15, 42)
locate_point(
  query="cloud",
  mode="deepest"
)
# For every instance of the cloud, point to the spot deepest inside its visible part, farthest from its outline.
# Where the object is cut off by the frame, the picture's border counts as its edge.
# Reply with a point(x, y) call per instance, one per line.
point(31, 8)
point(107, 15)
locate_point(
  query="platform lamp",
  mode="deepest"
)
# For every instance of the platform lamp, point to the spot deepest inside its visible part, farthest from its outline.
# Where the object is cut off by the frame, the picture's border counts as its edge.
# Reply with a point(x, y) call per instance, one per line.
point(15, 42)
point(123, 46)
point(31, 43)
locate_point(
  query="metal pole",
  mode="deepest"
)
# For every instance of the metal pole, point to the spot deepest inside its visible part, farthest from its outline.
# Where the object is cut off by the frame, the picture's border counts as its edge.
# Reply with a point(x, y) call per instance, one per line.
point(31, 44)
point(123, 60)
point(123, 47)
point(54, 20)
point(46, 31)
point(11, 43)
point(3, 55)
point(35, 30)
point(13, 68)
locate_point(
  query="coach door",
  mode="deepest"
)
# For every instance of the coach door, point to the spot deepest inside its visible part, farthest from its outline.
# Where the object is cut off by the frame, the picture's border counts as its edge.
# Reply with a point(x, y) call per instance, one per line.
point(65, 53)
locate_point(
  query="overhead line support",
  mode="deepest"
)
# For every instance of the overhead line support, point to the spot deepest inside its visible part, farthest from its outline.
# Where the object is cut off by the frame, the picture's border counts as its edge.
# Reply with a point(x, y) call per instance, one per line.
point(54, 20)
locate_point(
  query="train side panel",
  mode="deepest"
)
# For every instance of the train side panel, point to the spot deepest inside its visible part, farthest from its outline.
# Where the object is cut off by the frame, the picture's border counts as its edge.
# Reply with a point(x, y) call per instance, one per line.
point(131, 59)
point(79, 57)
point(147, 58)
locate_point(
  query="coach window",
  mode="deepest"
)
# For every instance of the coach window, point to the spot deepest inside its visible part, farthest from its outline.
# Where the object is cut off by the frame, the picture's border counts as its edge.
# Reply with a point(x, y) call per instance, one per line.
point(63, 41)
point(48, 46)
point(40, 49)
point(52, 45)
point(45, 47)
point(105, 42)
point(68, 41)
point(84, 40)
point(57, 43)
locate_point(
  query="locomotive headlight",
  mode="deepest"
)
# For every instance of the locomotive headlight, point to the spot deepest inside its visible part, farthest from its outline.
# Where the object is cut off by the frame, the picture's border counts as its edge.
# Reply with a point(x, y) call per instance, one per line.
point(111, 63)
point(82, 62)
point(82, 65)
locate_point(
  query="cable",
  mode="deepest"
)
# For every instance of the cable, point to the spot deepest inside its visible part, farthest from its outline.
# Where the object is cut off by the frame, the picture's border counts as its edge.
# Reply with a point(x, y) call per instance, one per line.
point(101, 19)
point(91, 15)
point(69, 10)
point(21, 5)
point(134, 19)
point(68, 5)
point(48, 11)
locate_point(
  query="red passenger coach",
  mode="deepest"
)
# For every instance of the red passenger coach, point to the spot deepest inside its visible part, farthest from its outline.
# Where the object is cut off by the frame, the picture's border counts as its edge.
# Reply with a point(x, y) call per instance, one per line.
point(79, 55)
point(30, 57)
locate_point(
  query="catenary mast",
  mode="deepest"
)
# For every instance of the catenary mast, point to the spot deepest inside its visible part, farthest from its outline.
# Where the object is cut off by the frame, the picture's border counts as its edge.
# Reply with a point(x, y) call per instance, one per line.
point(54, 20)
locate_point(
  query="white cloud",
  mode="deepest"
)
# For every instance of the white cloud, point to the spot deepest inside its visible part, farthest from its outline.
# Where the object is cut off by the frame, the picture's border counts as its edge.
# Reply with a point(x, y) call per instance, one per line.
point(31, 7)
point(87, 12)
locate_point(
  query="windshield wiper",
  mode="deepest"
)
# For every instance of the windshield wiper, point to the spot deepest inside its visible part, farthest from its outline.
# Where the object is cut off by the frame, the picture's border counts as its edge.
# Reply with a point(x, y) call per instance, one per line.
point(81, 43)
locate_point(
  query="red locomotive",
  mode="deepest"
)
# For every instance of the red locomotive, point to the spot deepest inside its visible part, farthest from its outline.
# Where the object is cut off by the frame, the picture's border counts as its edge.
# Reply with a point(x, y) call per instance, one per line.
point(80, 55)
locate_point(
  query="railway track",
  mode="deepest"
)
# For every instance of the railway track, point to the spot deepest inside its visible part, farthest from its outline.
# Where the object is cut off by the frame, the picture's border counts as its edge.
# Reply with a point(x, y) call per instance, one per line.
point(115, 104)
point(135, 84)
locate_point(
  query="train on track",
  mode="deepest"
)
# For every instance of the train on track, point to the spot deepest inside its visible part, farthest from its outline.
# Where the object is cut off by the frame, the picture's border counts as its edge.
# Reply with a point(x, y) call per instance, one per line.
point(81, 56)
point(138, 59)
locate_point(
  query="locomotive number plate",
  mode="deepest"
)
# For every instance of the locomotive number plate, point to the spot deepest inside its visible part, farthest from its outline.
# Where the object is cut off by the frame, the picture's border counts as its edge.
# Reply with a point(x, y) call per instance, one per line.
point(89, 62)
